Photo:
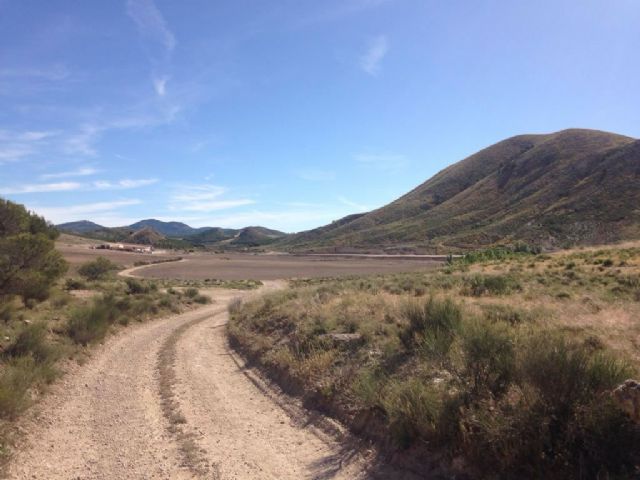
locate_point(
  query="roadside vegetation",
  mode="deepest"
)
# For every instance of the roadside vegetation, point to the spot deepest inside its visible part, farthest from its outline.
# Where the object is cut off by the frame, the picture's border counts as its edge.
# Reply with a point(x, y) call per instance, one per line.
point(47, 319)
point(498, 365)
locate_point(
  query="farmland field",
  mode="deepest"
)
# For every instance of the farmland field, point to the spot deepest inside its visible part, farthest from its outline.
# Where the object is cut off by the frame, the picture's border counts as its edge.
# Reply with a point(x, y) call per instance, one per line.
point(242, 266)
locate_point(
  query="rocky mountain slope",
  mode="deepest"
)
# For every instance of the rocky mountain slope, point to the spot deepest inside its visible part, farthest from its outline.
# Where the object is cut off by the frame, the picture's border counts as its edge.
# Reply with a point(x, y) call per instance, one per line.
point(569, 187)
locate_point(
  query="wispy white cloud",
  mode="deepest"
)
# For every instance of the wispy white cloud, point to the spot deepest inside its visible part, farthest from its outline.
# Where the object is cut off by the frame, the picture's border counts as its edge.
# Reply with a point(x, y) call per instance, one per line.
point(11, 153)
point(332, 11)
point(73, 186)
point(204, 198)
point(40, 188)
point(15, 145)
point(103, 213)
point(382, 161)
point(316, 175)
point(82, 142)
point(160, 85)
point(35, 136)
point(150, 22)
point(54, 73)
point(358, 207)
point(80, 172)
point(372, 59)
point(124, 184)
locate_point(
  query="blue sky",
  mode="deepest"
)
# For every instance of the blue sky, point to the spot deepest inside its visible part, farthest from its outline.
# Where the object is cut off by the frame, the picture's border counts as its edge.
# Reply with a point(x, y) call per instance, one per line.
point(289, 113)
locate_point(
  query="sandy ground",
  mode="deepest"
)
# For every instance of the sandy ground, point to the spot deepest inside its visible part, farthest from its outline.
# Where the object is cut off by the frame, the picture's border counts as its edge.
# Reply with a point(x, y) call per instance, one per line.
point(169, 400)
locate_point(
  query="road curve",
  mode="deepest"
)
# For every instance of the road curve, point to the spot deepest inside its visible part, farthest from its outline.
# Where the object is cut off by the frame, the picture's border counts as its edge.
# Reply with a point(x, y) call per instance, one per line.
point(168, 400)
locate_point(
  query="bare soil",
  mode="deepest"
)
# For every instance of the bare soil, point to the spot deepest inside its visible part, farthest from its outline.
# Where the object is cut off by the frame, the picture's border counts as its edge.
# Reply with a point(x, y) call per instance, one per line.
point(168, 399)
point(77, 254)
point(247, 266)
point(273, 267)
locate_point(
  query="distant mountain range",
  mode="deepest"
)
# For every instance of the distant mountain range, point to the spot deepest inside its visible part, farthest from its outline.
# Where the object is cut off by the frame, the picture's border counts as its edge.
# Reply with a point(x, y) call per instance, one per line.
point(174, 234)
point(567, 188)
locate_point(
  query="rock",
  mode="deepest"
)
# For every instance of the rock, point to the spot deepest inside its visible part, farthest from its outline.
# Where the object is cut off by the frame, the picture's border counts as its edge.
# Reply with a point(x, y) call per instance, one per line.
point(343, 337)
point(627, 397)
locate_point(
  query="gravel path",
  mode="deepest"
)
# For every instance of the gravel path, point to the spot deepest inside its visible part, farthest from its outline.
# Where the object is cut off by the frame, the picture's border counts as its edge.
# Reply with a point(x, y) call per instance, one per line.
point(168, 400)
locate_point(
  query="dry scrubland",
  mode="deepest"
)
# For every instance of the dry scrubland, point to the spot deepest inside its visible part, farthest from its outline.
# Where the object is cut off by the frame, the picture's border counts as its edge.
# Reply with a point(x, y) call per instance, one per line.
point(37, 338)
point(498, 366)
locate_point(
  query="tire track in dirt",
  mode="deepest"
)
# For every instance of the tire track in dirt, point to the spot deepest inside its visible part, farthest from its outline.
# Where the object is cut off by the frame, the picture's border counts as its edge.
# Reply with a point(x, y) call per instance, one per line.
point(168, 400)
point(194, 456)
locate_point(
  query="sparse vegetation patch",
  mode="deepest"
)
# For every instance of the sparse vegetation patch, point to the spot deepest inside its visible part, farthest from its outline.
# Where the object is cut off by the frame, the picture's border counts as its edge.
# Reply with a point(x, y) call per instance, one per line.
point(480, 364)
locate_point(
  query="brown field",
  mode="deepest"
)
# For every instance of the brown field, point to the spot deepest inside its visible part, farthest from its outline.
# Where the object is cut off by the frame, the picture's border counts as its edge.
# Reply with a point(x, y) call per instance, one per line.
point(77, 254)
point(240, 266)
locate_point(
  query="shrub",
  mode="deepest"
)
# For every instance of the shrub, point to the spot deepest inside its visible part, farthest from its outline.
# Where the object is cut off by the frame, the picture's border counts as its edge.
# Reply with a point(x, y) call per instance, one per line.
point(479, 285)
point(191, 292)
point(136, 287)
point(489, 357)
point(29, 264)
point(74, 284)
point(202, 299)
point(97, 269)
point(412, 409)
point(563, 425)
point(32, 341)
point(565, 373)
point(505, 313)
point(90, 323)
point(15, 380)
point(432, 325)
point(7, 309)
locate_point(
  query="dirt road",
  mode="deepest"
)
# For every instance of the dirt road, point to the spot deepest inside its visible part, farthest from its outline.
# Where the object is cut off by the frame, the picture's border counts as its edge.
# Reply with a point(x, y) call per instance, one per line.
point(168, 400)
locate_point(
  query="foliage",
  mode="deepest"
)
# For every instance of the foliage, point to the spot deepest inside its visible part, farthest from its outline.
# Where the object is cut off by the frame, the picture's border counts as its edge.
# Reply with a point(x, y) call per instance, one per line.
point(97, 269)
point(478, 285)
point(431, 326)
point(29, 264)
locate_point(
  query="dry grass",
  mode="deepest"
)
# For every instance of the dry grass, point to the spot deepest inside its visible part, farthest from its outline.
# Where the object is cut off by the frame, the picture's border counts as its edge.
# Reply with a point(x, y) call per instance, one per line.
point(452, 358)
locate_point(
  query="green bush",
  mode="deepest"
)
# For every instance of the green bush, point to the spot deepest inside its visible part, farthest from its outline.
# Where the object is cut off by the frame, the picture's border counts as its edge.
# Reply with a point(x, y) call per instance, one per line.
point(74, 284)
point(97, 269)
point(7, 310)
point(191, 292)
point(563, 424)
point(489, 355)
point(479, 285)
point(29, 262)
point(506, 313)
point(136, 287)
point(202, 299)
point(412, 408)
point(566, 373)
point(15, 380)
point(17, 376)
point(90, 323)
point(431, 325)
point(32, 341)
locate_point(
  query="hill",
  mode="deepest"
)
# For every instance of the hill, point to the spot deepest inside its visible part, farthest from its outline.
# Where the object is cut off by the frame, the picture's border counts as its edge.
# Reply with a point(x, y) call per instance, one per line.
point(168, 229)
point(569, 187)
point(256, 237)
point(175, 234)
point(146, 236)
point(82, 226)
